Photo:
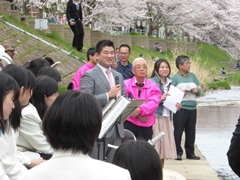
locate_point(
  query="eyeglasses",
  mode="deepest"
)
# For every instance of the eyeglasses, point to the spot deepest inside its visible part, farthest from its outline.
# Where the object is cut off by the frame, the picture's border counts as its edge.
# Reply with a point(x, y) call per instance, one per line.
point(124, 54)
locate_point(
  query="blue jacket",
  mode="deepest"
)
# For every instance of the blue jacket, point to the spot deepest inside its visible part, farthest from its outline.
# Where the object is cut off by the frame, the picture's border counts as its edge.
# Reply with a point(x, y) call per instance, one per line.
point(126, 71)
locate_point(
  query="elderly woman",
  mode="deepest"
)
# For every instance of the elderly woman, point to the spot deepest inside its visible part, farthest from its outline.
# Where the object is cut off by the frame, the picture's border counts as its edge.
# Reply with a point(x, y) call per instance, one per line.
point(142, 119)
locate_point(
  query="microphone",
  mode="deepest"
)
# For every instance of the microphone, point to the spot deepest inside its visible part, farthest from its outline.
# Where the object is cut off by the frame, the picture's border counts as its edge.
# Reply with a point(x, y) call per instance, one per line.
point(116, 80)
point(156, 138)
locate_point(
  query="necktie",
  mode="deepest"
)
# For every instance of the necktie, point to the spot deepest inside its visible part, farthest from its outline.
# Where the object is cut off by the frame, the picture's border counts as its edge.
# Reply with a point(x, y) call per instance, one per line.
point(110, 80)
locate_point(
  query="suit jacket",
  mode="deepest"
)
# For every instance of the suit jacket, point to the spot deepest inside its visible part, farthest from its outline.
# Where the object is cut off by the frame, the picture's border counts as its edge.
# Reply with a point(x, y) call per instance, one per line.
point(96, 83)
point(68, 166)
point(31, 134)
point(9, 162)
point(234, 150)
point(72, 12)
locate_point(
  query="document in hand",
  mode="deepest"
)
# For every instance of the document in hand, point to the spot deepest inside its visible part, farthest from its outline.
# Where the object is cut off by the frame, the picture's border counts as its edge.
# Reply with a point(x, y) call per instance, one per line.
point(175, 96)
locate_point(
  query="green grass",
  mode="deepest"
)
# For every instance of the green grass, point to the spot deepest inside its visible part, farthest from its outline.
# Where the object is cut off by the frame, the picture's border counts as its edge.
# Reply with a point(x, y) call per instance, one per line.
point(234, 79)
point(62, 89)
point(218, 85)
point(212, 56)
point(135, 34)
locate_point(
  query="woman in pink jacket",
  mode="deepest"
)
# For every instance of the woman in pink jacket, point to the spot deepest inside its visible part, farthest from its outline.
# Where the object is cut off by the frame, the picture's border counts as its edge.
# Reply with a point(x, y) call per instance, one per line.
point(140, 122)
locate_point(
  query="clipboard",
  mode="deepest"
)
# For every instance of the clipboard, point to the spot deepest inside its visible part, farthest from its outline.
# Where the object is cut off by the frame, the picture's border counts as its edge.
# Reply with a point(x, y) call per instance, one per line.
point(117, 112)
point(130, 108)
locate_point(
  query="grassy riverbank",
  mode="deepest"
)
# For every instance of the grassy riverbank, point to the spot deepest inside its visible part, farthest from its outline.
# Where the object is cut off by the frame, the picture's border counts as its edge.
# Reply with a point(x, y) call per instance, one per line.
point(206, 62)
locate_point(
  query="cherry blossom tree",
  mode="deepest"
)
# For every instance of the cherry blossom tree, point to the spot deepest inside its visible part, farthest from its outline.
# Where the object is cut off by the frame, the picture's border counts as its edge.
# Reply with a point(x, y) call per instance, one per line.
point(211, 21)
point(226, 31)
point(104, 14)
point(39, 4)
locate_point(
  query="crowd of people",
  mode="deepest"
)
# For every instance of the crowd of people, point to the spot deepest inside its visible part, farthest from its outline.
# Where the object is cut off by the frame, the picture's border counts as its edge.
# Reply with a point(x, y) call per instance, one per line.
point(39, 136)
point(43, 132)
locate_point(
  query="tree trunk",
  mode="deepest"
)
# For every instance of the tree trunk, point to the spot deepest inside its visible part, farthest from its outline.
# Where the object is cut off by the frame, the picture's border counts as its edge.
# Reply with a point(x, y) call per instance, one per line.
point(166, 31)
point(40, 14)
point(25, 8)
point(150, 30)
point(157, 32)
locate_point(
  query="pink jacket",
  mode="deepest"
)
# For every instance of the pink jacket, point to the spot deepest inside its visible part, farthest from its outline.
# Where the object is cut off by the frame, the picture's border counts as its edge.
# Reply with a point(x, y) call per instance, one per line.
point(77, 77)
point(151, 93)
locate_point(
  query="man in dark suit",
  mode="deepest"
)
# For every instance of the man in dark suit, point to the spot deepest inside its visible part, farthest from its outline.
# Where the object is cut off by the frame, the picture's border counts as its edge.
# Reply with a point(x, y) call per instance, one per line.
point(105, 87)
point(234, 150)
point(74, 17)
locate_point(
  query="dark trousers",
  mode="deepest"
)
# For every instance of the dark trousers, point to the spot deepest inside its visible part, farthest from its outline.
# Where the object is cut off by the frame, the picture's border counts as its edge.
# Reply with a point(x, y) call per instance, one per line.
point(185, 120)
point(101, 150)
point(78, 32)
point(144, 133)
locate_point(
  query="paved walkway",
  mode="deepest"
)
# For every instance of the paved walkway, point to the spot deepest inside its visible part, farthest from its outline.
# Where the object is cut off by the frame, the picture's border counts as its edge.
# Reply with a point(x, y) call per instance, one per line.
point(192, 169)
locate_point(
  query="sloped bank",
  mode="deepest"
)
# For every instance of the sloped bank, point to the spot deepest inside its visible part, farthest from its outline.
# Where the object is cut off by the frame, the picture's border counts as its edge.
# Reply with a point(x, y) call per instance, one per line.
point(29, 48)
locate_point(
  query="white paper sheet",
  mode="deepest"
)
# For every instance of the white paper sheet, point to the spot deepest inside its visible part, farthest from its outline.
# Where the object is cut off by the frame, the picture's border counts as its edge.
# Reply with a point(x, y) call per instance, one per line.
point(175, 96)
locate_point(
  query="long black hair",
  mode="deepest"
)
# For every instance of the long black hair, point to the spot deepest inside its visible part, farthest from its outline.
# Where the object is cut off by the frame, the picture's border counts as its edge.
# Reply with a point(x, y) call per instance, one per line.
point(7, 83)
point(45, 86)
point(19, 74)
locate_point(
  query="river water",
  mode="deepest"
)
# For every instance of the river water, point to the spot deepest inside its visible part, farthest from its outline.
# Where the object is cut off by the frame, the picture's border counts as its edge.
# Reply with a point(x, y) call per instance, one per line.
point(218, 113)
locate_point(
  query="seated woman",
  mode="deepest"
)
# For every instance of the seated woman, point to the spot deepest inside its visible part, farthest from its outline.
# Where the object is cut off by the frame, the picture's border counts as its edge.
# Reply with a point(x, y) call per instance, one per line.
point(20, 75)
point(31, 137)
point(72, 125)
point(140, 158)
point(10, 167)
point(51, 72)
